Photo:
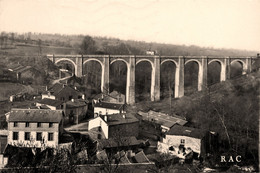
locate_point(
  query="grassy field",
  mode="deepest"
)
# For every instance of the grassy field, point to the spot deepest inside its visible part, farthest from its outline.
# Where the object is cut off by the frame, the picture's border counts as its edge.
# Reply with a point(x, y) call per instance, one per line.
point(28, 50)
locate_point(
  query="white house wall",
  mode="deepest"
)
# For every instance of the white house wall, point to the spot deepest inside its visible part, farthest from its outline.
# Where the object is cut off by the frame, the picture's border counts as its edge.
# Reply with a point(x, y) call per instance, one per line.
point(46, 96)
point(51, 107)
point(174, 140)
point(99, 122)
point(33, 142)
point(45, 129)
point(105, 111)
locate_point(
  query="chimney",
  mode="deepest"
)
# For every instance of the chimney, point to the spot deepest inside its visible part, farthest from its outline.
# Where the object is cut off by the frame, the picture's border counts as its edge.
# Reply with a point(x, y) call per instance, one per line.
point(72, 100)
point(124, 116)
point(75, 88)
point(83, 96)
point(46, 88)
point(105, 118)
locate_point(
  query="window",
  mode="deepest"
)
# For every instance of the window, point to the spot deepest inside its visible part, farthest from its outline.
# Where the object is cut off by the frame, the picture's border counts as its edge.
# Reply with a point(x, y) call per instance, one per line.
point(39, 136)
point(27, 124)
point(27, 136)
point(15, 135)
point(50, 136)
point(39, 124)
point(50, 124)
point(15, 124)
point(182, 141)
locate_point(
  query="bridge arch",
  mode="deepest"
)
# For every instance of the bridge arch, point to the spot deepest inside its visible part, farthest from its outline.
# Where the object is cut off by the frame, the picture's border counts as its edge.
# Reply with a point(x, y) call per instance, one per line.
point(192, 60)
point(102, 85)
point(239, 61)
point(120, 59)
point(242, 63)
point(170, 60)
point(199, 75)
point(113, 80)
point(168, 77)
point(67, 59)
point(93, 59)
point(142, 60)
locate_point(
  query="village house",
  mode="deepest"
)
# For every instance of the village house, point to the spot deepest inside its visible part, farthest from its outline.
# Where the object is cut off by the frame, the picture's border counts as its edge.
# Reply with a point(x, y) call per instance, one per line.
point(62, 92)
point(26, 73)
point(105, 108)
point(181, 140)
point(39, 128)
point(50, 103)
point(116, 125)
point(75, 111)
point(113, 97)
point(150, 52)
point(3, 144)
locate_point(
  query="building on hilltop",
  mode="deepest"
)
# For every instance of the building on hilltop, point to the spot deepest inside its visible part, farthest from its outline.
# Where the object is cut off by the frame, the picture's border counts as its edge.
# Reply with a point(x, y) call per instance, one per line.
point(62, 92)
point(116, 125)
point(35, 128)
point(150, 52)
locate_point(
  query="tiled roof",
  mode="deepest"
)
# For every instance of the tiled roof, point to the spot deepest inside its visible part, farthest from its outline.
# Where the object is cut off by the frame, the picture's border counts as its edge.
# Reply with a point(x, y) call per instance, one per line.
point(121, 156)
point(58, 87)
point(76, 103)
point(141, 158)
point(116, 119)
point(162, 119)
point(35, 115)
point(109, 105)
point(50, 102)
point(186, 131)
point(121, 142)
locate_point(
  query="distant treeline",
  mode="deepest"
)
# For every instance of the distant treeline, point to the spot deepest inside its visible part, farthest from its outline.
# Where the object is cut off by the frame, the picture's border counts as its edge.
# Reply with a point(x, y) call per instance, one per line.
point(108, 45)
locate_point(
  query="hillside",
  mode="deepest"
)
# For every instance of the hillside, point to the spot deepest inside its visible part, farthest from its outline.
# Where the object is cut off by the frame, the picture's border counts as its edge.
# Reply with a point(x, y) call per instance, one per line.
point(229, 108)
point(70, 44)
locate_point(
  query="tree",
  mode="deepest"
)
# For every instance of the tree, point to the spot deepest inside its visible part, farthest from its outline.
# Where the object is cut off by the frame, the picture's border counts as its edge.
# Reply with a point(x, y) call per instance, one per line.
point(88, 46)
point(62, 161)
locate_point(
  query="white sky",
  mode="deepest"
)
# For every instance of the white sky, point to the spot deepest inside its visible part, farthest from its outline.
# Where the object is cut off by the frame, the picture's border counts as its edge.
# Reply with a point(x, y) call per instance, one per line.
point(210, 23)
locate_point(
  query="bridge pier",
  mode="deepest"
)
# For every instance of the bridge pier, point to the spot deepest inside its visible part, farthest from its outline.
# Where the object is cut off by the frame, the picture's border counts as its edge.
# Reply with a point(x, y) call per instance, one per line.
point(249, 65)
point(79, 66)
point(130, 82)
point(155, 80)
point(105, 76)
point(203, 70)
point(227, 64)
point(179, 79)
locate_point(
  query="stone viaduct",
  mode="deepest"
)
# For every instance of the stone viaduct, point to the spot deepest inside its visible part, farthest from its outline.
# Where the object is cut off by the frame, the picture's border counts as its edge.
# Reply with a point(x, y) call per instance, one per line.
point(132, 60)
